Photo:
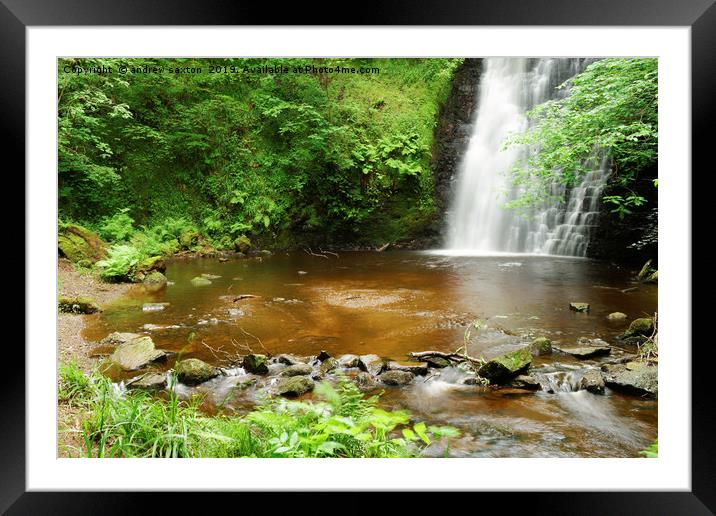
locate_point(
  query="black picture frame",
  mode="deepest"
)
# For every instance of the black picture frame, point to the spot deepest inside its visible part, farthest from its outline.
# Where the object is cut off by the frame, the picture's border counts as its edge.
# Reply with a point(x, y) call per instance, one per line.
point(699, 15)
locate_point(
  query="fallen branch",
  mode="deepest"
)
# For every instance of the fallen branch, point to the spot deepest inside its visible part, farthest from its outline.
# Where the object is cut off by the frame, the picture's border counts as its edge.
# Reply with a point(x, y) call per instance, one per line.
point(309, 252)
point(254, 336)
point(383, 247)
point(329, 252)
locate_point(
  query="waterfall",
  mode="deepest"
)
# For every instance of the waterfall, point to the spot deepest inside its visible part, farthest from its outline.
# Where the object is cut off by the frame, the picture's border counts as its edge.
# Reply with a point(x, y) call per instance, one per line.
point(478, 222)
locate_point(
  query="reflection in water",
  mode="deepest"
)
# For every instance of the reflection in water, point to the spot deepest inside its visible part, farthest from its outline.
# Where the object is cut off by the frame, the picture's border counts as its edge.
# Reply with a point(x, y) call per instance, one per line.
point(393, 303)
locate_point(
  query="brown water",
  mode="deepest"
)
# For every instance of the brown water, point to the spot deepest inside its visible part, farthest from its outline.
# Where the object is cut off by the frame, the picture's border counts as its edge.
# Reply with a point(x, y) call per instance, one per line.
point(393, 303)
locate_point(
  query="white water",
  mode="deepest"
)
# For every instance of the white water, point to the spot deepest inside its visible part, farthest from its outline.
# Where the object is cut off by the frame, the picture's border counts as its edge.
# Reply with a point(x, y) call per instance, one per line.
point(478, 221)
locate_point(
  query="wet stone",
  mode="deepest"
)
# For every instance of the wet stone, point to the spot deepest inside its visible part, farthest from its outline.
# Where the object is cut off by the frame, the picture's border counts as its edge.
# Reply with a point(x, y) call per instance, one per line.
point(396, 377)
point(417, 368)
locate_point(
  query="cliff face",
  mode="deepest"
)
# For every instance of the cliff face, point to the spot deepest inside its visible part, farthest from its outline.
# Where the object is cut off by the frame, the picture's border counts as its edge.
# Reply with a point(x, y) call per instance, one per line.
point(633, 239)
point(451, 138)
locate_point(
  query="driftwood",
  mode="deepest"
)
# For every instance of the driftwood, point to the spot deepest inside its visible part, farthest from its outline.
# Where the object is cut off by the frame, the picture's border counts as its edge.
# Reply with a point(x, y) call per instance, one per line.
point(244, 296)
point(311, 253)
point(383, 247)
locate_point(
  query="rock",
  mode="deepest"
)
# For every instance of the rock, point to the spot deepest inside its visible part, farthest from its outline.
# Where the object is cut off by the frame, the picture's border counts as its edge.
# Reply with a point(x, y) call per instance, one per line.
point(188, 239)
point(348, 361)
point(642, 327)
point(136, 353)
point(541, 346)
point(242, 244)
point(617, 316)
point(584, 352)
point(328, 365)
point(200, 282)
point(210, 276)
point(155, 278)
point(223, 259)
point(294, 386)
point(372, 364)
point(149, 382)
point(472, 380)
point(653, 278)
point(193, 371)
point(506, 366)
point(257, 364)
point(525, 382)
point(418, 368)
point(323, 356)
point(116, 338)
point(365, 381)
point(579, 307)
point(148, 266)
point(289, 359)
point(396, 377)
point(592, 381)
point(77, 305)
point(80, 245)
point(437, 362)
point(154, 307)
point(297, 370)
point(302, 272)
point(636, 378)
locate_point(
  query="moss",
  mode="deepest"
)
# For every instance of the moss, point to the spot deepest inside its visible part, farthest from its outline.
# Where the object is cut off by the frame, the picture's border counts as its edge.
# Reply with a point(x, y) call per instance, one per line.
point(643, 327)
point(80, 245)
point(506, 366)
point(242, 244)
point(193, 371)
point(257, 364)
point(77, 305)
point(541, 346)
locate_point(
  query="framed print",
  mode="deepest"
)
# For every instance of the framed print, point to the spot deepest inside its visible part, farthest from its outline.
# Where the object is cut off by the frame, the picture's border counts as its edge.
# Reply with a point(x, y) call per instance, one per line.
point(433, 250)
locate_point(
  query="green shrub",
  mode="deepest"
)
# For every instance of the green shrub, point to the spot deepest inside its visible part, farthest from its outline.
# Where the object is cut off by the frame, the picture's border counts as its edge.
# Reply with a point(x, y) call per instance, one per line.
point(117, 228)
point(121, 262)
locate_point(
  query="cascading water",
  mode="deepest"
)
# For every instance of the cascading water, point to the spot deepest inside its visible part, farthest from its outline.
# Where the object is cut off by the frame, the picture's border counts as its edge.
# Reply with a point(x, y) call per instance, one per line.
point(478, 221)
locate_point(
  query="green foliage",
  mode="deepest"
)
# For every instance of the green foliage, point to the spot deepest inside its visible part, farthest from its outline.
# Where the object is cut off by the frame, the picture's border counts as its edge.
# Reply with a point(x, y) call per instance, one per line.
point(306, 154)
point(344, 424)
point(652, 452)
point(120, 262)
point(610, 111)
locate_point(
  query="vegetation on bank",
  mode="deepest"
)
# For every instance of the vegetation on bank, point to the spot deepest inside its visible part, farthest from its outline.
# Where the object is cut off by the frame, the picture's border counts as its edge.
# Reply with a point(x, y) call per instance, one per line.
point(281, 158)
point(610, 112)
point(343, 423)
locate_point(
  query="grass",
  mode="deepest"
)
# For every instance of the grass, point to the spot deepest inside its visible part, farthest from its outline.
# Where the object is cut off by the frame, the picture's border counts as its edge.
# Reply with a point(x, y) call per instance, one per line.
point(342, 424)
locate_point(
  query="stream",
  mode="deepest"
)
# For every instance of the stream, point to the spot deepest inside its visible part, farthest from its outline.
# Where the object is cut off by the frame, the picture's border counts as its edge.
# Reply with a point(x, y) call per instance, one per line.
point(396, 302)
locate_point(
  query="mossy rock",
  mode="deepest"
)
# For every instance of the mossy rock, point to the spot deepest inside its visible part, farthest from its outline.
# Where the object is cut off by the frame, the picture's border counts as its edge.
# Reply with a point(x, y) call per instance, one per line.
point(579, 307)
point(541, 346)
point(396, 377)
point(155, 279)
point(242, 244)
point(507, 366)
point(188, 239)
point(80, 245)
point(148, 266)
point(643, 327)
point(257, 364)
point(77, 305)
point(297, 370)
point(200, 282)
point(193, 371)
point(136, 353)
point(294, 386)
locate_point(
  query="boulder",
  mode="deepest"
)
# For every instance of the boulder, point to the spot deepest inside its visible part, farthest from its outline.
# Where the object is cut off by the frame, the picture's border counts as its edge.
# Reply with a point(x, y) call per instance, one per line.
point(200, 282)
point(116, 338)
point(579, 307)
point(242, 244)
point(417, 368)
point(592, 381)
point(323, 355)
point(642, 327)
point(348, 361)
point(617, 316)
point(523, 381)
point(372, 364)
point(188, 239)
point(637, 378)
point(80, 245)
point(365, 381)
point(584, 352)
point(136, 353)
point(297, 370)
point(193, 371)
point(77, 305)
point(294, 386)
point(289, 360)
point(436, 362)
point(541, 346)
point(148, 382)
point(328, 365)
point(257, 364)
point(155, 281)
point(396, 377)
point(507, 366)
point(148, 266)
